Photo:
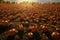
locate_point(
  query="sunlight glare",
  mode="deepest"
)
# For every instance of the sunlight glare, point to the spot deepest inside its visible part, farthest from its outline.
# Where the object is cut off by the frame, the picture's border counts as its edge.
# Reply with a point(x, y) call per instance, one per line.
point(27, 0)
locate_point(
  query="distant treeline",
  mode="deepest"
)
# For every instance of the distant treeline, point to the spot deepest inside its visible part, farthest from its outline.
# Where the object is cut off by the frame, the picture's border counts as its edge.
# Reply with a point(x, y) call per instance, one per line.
point(8, 2)
point(53, 3)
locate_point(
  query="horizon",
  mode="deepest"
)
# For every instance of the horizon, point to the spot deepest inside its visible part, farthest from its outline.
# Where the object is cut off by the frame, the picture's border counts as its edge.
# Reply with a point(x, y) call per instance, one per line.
point(41, 1)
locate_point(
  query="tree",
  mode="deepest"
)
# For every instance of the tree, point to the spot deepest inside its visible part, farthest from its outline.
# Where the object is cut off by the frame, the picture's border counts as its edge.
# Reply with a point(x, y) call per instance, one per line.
point(8, 2)
point(13, 2)
point(1, 1)
point(58, 2)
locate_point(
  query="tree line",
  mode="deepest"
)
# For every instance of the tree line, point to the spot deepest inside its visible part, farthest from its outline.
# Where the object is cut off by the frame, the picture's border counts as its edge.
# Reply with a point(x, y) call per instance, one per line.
point(8, 2)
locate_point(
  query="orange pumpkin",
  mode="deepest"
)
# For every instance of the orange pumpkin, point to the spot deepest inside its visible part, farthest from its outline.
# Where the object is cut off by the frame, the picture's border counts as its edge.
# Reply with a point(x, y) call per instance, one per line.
point(55, 35)
point(30, 34)
point(12, 32)
point(33, 28)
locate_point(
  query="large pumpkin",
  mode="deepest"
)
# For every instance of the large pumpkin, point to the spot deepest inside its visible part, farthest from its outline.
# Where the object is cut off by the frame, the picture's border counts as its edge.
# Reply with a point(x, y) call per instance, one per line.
point(55, 35)
point(30, 34)
point(33, 28)
point(12, 32)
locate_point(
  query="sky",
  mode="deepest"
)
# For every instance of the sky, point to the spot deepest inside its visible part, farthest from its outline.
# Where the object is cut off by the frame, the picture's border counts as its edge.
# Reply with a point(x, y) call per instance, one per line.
point(43, 1)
